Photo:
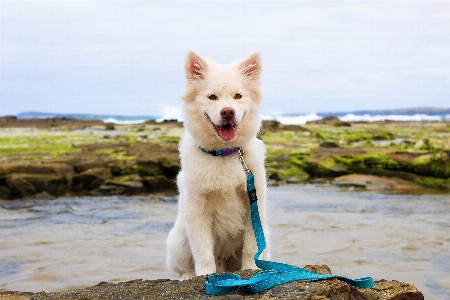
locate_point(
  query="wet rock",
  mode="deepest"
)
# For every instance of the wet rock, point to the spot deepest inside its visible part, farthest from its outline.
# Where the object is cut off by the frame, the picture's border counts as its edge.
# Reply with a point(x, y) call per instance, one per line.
point(24, 185)
point(90, 179)
point(149, 167)
point(5, 193)
point(377, 183)
point(128, 185)
point(158, 166)
point(158, 183)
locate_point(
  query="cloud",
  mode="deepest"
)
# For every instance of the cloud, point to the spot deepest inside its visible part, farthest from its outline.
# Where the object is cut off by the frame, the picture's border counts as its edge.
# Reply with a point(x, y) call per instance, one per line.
point(317, 55)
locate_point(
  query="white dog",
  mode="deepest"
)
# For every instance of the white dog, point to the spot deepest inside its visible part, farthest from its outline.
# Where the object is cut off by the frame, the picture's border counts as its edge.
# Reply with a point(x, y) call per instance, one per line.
point(213, 230)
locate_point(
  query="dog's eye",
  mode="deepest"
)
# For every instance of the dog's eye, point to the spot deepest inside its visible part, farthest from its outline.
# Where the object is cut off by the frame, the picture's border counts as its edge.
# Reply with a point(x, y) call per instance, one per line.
point(213, 97)
point(237, 96)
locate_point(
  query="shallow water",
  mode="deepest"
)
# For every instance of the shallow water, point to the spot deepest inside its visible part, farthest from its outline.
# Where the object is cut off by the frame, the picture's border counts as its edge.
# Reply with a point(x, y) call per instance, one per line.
point(68, 243)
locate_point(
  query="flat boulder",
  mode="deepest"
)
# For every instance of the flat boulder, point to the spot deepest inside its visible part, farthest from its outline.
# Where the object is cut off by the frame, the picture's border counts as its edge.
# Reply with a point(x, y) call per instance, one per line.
point(195, 289)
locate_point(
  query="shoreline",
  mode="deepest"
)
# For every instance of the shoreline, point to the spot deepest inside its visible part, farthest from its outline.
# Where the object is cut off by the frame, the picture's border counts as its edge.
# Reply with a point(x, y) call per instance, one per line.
point(48, 158)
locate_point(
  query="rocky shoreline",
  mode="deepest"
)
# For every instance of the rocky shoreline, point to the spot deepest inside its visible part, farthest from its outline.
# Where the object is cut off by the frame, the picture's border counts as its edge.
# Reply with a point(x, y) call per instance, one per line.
point(47, 158)
point(195, 289)
point(44, 159)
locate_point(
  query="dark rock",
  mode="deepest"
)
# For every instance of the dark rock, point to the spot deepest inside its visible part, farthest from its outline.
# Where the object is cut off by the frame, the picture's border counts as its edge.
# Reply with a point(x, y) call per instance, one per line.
point(270, 125)
point(149, 167)
point(24, 185)
point(329, 145)
point(45, 123)
point(330, 120)
point(90, 179)
point(5, 193)
point(159, 166)
point(110, 126)
point(158, 183)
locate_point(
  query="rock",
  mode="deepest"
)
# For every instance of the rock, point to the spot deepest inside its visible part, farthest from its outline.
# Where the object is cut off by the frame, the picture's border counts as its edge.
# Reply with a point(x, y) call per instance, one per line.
point(393, 290)
point(5, 193)
point(319, 269)
point(43, 196)
point(330, 120)
point(26, 179)
point(296, 128)
point(195, 289)
point(159, 166)
point(377, 183)
point(90, 179)
point(128, 185)
point(110, 126)
point(25, 185)
point(45, 123)
point(158, 183)
point(96, 162)
point(329, 145)
point(270, 125)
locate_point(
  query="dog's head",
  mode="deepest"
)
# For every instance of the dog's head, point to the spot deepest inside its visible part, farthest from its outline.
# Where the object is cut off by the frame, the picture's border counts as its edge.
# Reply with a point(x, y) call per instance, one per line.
point(221, 102)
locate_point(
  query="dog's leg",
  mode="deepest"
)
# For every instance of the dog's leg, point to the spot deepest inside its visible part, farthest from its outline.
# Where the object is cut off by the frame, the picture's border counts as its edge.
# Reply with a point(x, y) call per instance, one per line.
point(201, 239)
point(249, 246)
point(179, 256)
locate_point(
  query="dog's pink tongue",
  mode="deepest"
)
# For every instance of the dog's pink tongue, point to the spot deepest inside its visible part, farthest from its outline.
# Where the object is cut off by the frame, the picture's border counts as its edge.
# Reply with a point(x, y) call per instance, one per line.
point(227, 132)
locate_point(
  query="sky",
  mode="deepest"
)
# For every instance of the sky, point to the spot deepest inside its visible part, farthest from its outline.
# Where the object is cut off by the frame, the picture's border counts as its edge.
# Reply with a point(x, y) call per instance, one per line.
point(127, 57)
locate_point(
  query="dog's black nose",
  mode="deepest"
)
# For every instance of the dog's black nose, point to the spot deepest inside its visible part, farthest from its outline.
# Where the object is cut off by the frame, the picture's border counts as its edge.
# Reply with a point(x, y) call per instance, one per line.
point(227, 113)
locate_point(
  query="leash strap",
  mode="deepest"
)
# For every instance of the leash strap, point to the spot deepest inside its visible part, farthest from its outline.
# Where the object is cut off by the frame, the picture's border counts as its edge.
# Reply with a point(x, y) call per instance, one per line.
point(273, 273)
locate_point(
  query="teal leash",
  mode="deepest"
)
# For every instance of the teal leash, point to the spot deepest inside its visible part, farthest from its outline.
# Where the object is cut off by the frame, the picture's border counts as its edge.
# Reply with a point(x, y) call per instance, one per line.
point(273, 273)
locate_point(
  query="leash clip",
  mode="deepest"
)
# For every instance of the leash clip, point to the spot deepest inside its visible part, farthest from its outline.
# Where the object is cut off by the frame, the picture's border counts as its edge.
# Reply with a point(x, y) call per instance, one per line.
point(241, 158)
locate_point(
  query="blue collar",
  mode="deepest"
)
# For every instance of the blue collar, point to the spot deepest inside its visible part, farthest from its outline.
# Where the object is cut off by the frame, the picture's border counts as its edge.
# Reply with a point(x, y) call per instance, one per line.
point(220, 152)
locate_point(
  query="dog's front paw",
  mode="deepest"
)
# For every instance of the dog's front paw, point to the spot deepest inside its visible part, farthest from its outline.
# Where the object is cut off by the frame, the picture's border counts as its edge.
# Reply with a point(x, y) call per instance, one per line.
point(249, 265)
point(187, 275)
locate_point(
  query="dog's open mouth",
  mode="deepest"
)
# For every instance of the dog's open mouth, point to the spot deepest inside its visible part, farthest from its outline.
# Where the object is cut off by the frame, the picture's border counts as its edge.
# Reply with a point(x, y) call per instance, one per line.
point(226, 131)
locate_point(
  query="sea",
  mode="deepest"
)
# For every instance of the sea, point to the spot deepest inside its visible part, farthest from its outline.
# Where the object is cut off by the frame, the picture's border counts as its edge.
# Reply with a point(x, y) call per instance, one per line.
point(174, 113)
point(76, 242)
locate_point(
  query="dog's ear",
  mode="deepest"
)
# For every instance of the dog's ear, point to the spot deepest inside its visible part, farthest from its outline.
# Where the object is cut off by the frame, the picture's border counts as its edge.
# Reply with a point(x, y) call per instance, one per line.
point(195, 66)
point(251, 66)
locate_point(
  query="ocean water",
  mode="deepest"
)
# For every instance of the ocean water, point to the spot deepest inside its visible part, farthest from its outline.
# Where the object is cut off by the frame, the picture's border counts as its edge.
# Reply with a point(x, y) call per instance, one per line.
point(174, 112)
point(68, 243)
point(292, 119)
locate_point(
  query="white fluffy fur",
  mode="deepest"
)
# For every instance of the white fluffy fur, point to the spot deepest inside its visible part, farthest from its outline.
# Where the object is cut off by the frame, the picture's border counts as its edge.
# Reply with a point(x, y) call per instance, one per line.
point(213, 230)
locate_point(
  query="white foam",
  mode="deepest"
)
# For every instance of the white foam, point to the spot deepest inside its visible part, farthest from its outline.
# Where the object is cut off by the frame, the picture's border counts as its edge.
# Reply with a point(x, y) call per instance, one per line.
point(171, 112)
point(373, 118)
point(297, 120)
point(112, 120)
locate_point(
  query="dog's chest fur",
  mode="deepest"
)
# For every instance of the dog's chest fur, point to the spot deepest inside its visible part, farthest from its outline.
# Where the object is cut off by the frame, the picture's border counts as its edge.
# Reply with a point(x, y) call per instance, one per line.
point(220, 183)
